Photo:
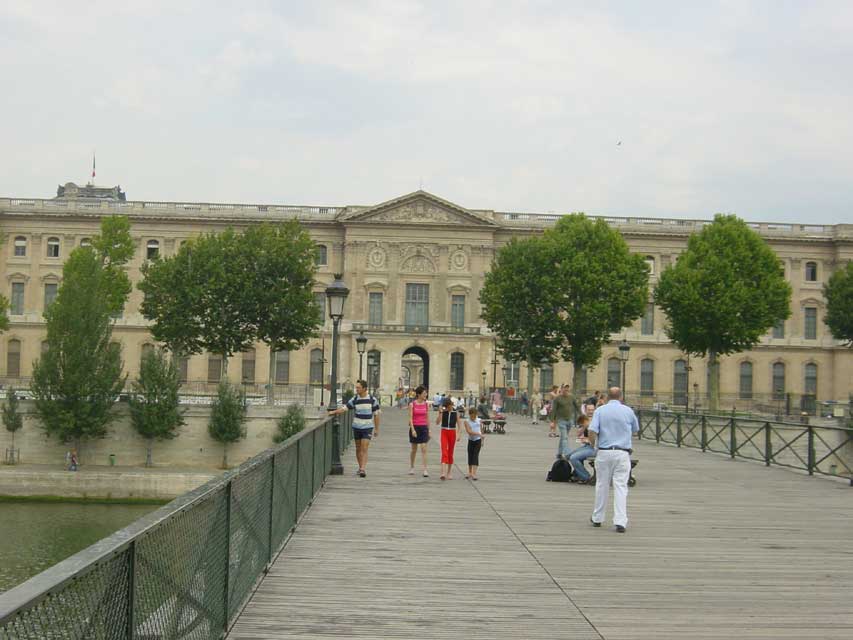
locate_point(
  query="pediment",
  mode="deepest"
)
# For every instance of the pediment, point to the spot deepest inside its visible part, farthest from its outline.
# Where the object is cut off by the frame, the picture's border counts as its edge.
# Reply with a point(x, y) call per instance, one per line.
point(420, 207)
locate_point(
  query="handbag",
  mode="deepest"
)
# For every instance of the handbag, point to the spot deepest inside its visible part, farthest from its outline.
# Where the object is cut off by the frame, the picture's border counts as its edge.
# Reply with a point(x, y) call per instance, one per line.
point(543, 411)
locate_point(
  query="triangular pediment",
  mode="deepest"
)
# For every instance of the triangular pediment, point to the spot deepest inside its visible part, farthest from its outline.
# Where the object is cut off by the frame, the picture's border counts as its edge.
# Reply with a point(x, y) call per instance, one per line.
point(420, 207)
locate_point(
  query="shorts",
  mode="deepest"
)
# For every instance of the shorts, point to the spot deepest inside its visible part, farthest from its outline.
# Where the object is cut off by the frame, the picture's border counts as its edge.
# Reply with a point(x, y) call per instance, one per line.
point(362, 434)
point(421, 435)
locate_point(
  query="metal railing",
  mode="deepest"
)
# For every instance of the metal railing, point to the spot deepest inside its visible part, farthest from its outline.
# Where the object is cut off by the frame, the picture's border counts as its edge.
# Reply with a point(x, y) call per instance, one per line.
point(816, 449)
point(414, 328)
point(187, 569)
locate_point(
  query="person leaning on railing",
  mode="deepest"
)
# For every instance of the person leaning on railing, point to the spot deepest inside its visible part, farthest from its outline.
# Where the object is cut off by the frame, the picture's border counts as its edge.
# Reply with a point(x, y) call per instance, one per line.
point(365, 422)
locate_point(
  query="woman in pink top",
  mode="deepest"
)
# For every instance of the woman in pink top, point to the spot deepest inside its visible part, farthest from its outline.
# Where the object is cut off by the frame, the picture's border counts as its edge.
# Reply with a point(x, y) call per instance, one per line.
point(419, 429)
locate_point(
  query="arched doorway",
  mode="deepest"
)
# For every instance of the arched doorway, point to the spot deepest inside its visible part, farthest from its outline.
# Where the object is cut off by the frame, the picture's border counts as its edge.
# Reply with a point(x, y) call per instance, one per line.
point(415, 363)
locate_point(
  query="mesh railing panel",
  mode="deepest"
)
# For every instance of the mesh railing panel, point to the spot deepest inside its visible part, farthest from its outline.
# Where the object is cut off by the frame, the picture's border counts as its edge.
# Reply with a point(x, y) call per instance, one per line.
point(319, 462)
point(250, 531)
point(284, 495)
point(180, 574)
point(305, 466)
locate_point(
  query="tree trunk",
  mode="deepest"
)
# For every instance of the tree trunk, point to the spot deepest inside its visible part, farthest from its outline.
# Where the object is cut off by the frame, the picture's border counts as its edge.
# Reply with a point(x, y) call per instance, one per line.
point(271, 384)
point(224, 456)
point(148, 447)
point(576, 380)
point(713, 382)
point(530, 390)
point(224, 367)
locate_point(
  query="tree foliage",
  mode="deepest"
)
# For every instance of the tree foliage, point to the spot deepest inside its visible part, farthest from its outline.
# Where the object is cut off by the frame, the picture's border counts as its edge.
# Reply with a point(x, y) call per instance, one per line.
point(155, 410)
point(4, 303)
point(227, 418)
point(13, 420)
point(839, 304)
point(290, 423)
point(723, 293)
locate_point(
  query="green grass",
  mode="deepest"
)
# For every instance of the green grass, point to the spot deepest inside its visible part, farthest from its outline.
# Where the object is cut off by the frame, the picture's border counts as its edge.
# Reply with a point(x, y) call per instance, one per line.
point(77, 500)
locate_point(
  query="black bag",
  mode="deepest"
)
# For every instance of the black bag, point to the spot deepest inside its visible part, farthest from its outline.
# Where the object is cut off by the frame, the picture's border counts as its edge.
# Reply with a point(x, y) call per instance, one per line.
point(561, 471)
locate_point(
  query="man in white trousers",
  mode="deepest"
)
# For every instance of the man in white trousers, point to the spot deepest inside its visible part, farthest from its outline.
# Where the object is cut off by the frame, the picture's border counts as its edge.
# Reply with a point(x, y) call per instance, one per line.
point(610, 433)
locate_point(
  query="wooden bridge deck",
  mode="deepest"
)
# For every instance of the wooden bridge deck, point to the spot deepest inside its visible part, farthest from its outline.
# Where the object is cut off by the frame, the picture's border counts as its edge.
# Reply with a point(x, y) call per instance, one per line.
point(715, 548)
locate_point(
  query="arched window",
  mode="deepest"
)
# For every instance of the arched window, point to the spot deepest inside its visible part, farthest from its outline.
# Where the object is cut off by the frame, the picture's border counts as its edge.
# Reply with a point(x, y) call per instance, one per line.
point(152, 250)
point(614, 373)
point(546, 377)
point(53, 247)
point(214, 368)
point(778, 380)
point(146, 351)
point(374, 369)
point(457, 371)
point(322, 255)
point(248, 367)
point(746, 380)
point(679, 383)
point(13, 359)
point(811, 271)
point(316, 371)
point(20, 246)
point(650, 262)
point(647, 377)
point(282, 367)
point(810, 386)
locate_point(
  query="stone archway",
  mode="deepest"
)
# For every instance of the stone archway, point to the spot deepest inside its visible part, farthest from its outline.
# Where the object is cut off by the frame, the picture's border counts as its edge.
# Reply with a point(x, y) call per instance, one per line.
point(416, 360)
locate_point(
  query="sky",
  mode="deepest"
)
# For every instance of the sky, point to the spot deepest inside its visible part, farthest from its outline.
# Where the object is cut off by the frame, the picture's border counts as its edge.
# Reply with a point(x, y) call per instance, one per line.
point(672, 109)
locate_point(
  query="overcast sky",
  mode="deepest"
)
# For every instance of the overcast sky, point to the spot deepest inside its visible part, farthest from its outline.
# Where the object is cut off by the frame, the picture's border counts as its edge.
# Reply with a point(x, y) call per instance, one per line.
point(731, 106)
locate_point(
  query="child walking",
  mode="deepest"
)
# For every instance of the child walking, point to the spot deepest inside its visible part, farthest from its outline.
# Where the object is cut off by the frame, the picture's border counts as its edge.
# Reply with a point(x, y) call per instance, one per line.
point(475, 442)
point(448, 418)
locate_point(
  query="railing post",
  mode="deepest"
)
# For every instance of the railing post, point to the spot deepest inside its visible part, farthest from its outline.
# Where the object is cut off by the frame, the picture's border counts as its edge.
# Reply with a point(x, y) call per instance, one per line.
point(704, 433)
point(657, 427)
point(227, 553)
point(732, 439)
point(296, 495)
point(678, 430)
point(131, 592)
point(768, 444)
point(811, 457)
point(272, 508)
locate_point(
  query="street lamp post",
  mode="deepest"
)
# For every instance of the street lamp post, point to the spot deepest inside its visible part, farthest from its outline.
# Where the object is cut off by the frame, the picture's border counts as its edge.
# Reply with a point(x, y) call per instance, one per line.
point(494, 364)
point(504, 370)
point(624, 349)
point(361, 345)
point(687, 370)
point(336, 294)
point(323, 362)
point(695, 397)
point(483, 391)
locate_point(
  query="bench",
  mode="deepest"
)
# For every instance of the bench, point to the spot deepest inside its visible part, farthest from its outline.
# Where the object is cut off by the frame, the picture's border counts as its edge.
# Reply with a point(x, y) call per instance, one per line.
point(499, 426)
point(631, 479)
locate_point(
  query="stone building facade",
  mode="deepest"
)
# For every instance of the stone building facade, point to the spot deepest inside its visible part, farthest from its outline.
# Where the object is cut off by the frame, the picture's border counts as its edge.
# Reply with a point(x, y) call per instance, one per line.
point(415, 266)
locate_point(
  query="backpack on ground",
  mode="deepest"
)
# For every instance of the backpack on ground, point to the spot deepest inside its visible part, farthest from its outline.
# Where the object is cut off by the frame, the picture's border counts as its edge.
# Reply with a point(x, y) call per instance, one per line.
point(561, 471)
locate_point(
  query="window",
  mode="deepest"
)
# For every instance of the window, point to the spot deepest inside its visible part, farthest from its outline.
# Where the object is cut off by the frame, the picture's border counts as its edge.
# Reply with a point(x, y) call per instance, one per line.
point(779, 329)
point(374, 364)
point(20, 246)
point(650, 263)
point(417, 305)
point(778, 380)
point(152, 250)
point(53, 247)
point(546, 377)
point(810, 387)
point(13, 359)
point(50, 290)
point(679, 382)
point(457, 314)
point(86, 242)
point(457, 371)
point(214, 368)
point(320, 301)
point(375, 308)
point(647, 325)
point(811, 271)
point(183, 365)
point(248, 367)
point(614, 373)
point(647, 377)
point(745, 380)
point(810, 332)
point(282, 367)
point(16, 306)
point(322, 255)
point(316, 371)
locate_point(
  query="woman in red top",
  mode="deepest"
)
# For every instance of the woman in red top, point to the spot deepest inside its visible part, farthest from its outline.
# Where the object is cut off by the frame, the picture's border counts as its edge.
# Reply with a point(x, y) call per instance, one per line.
point(449, 421)
point(419, 429)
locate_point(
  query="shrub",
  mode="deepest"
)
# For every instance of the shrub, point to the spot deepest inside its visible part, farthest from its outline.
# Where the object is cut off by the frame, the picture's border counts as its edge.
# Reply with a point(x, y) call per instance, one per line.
point(290, 423)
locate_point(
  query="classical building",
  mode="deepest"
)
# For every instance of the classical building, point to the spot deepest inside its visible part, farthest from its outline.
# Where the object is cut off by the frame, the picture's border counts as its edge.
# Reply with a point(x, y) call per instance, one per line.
point(415, 266)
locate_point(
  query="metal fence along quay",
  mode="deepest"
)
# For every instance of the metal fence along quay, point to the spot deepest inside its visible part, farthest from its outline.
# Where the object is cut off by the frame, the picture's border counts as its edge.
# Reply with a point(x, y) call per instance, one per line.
point(187, 569)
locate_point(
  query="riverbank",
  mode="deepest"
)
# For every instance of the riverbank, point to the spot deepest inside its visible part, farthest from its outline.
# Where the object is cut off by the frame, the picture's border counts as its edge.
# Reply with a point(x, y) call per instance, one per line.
point(92, 482)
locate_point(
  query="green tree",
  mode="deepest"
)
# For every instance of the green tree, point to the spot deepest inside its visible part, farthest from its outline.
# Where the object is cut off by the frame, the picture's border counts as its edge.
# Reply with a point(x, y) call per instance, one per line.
point(723, 294)
point(155, 410)
point(4, 302)
point(839, 304)
point(12, 418)
point(227, 418)
point(519, 304)
point(597, 287)
point(280, 293)
point(290, 423)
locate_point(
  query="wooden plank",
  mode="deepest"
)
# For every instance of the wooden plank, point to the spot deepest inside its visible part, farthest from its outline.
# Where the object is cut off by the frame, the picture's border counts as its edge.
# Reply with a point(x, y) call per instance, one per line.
point(715, 549)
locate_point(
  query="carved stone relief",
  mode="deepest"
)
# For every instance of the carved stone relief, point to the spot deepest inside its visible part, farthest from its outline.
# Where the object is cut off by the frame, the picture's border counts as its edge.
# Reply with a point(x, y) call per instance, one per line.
point(458, 261)
point(417, 211)
point(376, 258)
point(418, 264)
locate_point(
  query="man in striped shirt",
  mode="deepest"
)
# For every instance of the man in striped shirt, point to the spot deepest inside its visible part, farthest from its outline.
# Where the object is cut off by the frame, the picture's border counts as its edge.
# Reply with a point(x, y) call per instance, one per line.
point(365, 422)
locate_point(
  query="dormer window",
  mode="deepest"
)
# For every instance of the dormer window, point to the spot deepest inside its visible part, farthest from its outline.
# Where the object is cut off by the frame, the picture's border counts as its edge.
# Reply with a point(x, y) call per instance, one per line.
point(20, 246)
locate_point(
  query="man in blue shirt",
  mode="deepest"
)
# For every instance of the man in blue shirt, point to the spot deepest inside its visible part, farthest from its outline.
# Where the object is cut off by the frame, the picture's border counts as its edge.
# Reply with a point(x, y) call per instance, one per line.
point(365, 422)
point(610, 432)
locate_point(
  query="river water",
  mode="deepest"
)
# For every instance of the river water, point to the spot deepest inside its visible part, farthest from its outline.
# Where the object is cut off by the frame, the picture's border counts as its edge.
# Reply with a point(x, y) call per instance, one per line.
point(35, 535)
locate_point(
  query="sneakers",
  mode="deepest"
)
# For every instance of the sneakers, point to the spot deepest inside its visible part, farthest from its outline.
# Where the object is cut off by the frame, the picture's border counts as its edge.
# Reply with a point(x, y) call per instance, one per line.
point(426, 473)
point(594, 523)
point(362, 473)
point(412, 471)
point(620, 528)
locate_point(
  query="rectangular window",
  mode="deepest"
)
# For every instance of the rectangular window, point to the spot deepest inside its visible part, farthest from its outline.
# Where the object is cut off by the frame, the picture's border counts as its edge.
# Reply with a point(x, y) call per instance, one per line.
point(320, 301)
point(282, 367)
point(811, 323)
point(457, 314)
point(417, 305)
point(214, 369)
point(457, 371)
point(546, 377)
point(375, 309)
point(248, 368)
point(779, 329)
point(745, 380)
point(49, 294)
point(647, 377)
point(183, 369)
point(614, 372)
point(647, 325)
point(16, 307)
point(679, 382)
